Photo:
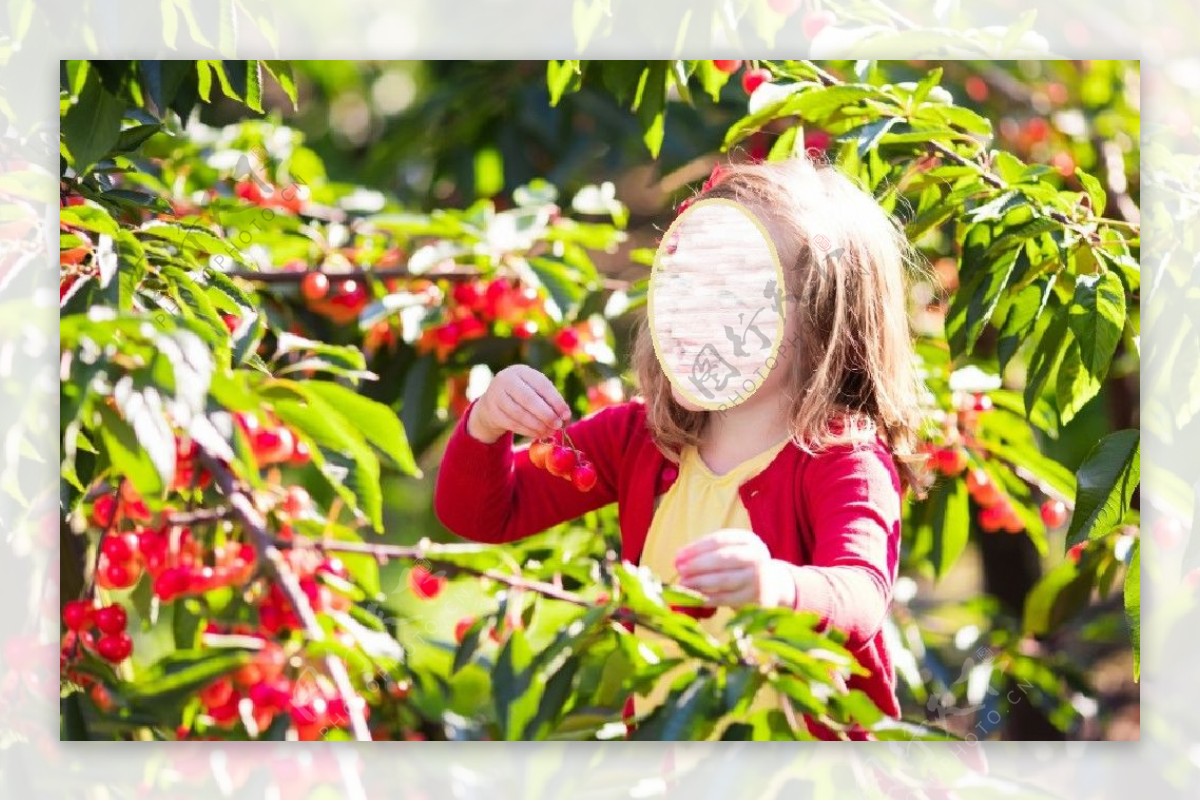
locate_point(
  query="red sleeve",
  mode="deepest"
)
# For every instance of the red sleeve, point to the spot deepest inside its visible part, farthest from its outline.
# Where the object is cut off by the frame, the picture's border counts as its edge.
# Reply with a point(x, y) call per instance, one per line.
point(493, 493)
point(852, 497)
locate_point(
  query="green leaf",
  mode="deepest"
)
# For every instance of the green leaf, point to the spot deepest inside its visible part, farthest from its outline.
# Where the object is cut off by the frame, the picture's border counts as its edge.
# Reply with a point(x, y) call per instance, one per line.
point(377, 423)
point(951, 524)
point(133, 137)
point(89, 217)
point(564, 284)
point(342, 456)
point(1045, 360)
point(1024, 309)
point(281, 71)
point(120, 444)
point(1075, 385)
point(1097, 317)
point(177, 676)
point(982, 282)
point(562, 77)
point(418, 408)
point(1106, 480)
point(689, 713)
point(92, 125)
point(245, 79)
point(651, 105)
point(161, 81)
point(187, 625)
point(192, 239)
point(1133, 606)
point(516, 696)
point(1056, 597)
point(1095, 191)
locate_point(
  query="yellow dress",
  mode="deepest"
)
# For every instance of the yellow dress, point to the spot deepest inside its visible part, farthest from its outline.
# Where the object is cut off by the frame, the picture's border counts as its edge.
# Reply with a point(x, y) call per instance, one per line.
point(698, 503)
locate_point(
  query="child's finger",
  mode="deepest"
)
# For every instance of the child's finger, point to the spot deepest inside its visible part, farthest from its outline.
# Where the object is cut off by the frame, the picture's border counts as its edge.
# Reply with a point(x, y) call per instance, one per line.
point(534, 406)
point(548, 393)
point(711, 542)
point(728, 558)
point(513, 422)
point(723, 581)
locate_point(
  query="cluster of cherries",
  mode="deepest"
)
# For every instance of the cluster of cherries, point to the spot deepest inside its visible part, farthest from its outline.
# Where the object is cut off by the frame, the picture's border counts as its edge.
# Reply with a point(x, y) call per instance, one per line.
point(291, 198)
point(997, 511)
point(110, 640)
point(564, 460)
point(261, 689)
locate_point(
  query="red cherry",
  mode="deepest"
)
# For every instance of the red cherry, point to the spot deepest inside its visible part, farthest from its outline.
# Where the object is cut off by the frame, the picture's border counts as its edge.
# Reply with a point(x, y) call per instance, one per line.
point(296, 502)
point(728, 67)
point(584, 476)
point(567, 340)
point(218, 693)
point(752, 79)
point(116, 575)
point(471, 328)
point(77, 615)
point(301, 455)
point(103, 510)
point(1054, 513)
point(784, 7)
point(315, 286)
point(981, 488)
point(469, 294)
point(1037, 129)
point(461, 628)
point(273, 445)
point(227, 713)
point(976, 88)
point(249, 191)
point(561, 461)
point(525, 329)
point(171, 583)
point(539, 452)
point(951, 461)
point(351, 296)
point(120, 547)
point(816, 141)
point(816, 21)
point(272, 695)
point(114, 647)
point(424, 584)
point(111, 619)
point(1075, 552)
point(1012, 522)
point(982, 403)
point(447, 335)
point(697, 612)
point(992, 518)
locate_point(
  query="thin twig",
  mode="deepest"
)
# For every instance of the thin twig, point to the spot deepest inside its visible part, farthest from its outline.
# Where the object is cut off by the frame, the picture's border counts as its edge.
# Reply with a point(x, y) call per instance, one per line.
point(255, 526)
point(198, 516)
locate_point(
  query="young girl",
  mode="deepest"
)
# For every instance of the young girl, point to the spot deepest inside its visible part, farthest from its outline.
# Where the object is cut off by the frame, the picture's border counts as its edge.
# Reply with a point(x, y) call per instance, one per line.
point(791, 498)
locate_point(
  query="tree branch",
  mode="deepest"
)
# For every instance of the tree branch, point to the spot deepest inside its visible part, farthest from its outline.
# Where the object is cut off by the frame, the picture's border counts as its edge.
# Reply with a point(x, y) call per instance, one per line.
point(254, 524)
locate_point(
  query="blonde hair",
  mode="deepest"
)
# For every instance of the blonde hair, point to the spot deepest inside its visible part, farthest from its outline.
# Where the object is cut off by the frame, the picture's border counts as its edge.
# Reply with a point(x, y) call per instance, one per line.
point(852, 373)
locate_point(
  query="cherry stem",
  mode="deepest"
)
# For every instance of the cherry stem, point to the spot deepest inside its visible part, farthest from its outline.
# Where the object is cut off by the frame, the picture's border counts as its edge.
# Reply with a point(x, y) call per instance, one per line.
point(255, 525)
point(198, 516)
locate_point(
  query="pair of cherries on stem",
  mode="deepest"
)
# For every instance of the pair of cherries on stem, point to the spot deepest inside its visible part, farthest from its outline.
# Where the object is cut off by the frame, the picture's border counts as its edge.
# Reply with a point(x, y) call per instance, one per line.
point(564, 460)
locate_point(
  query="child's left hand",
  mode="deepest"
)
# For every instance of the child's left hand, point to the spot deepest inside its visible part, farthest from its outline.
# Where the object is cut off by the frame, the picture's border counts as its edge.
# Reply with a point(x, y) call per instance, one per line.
point(733, 567)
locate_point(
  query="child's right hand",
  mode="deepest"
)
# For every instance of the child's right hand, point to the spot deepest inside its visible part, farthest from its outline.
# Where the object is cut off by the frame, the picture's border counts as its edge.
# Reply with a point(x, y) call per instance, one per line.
point(521, 400)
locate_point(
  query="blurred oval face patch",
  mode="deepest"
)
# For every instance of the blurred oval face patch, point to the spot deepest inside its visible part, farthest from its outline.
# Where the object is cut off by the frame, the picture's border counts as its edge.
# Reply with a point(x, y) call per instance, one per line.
point(716, 304)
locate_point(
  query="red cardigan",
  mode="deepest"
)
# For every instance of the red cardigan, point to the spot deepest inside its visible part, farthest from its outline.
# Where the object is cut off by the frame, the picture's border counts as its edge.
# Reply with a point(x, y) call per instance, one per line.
point(836, 514)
